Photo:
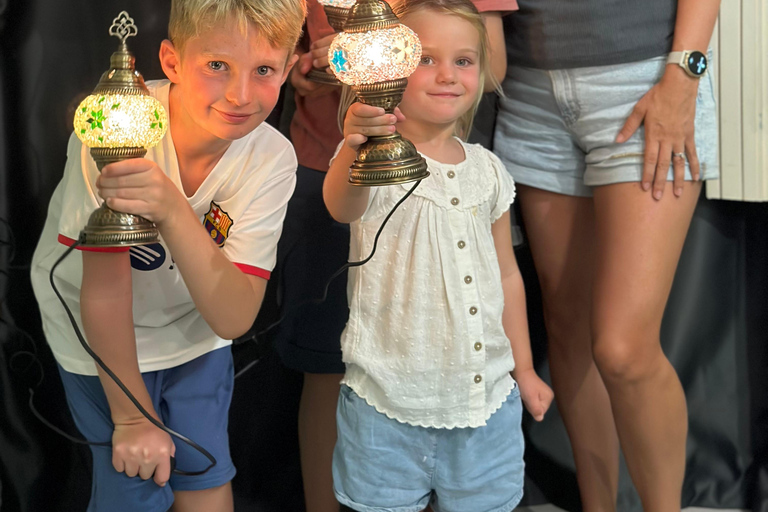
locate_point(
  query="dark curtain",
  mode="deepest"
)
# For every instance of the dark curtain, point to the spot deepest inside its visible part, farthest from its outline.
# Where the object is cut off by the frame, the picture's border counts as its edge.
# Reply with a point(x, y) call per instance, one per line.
point(51, 56)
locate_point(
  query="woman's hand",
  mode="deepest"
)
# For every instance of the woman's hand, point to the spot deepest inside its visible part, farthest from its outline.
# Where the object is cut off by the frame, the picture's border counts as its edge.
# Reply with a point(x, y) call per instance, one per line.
point(668, 111)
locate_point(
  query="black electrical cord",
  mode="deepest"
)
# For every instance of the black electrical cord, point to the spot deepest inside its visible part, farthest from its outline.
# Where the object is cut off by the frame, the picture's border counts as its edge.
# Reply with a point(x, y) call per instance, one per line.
point(336, 274)
point(122, 386)
point(119, 383)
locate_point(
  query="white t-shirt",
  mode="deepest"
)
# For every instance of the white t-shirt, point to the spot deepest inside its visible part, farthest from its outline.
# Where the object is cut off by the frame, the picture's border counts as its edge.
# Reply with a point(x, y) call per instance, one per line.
point(241, 204)
point(424, 343)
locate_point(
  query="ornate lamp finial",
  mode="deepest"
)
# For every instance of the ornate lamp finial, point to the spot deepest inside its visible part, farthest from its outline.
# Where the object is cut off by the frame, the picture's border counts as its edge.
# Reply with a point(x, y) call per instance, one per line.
point(123, 27)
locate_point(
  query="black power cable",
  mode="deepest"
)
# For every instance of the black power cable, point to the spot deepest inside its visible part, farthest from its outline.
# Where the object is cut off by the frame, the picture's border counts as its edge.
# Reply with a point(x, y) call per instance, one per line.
point(119, 383)
point(122, 386)
point(328, 283)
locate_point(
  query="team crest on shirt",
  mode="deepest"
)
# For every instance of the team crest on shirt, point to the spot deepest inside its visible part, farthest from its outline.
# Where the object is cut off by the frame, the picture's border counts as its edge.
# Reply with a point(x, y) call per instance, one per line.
point(217, 222)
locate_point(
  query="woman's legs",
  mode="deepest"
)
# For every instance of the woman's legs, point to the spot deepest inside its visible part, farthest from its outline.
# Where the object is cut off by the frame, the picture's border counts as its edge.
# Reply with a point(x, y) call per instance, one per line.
point(639, 241)
point(560, 230)
point(317, 437)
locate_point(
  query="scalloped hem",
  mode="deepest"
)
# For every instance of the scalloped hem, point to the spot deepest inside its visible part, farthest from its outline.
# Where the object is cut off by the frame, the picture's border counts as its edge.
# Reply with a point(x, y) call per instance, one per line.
point(422, 423)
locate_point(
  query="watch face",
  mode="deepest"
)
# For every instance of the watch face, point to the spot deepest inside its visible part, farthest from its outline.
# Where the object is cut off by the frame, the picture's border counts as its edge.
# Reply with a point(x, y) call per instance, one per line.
point(696, 63)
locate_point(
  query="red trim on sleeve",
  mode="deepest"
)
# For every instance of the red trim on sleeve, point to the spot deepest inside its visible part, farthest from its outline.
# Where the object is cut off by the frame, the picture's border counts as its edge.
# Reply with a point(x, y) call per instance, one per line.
point(69, 241)
point(254, 271)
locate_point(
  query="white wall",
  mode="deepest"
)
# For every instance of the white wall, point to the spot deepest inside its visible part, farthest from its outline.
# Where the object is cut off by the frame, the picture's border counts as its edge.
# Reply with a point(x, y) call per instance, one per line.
point(740, 42)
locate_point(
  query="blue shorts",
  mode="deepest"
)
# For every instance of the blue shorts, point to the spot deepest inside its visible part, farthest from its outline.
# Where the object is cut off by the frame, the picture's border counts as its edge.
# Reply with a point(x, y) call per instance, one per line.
point(192, 399)
point(556, 129)
point(382, 465)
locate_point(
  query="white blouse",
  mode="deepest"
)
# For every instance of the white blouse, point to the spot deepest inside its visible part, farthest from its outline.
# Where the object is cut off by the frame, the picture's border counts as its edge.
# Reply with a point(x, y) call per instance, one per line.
point(424, 343)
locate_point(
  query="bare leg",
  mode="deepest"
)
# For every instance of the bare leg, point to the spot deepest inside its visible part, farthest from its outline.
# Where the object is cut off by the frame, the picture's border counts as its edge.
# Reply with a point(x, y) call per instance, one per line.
point(218, 499)
point(317, 438)
point(561, 233)
point(639, 241)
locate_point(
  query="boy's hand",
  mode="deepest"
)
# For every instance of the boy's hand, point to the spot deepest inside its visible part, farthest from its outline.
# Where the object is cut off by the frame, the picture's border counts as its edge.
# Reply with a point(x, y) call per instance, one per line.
point(305, 87)
point(363, 120)
point(140, 448)
point(139, 187)
point(536, 394)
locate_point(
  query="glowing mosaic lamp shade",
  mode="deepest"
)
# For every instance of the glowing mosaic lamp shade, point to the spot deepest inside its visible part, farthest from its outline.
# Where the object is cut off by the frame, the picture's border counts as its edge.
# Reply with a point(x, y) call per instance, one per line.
point(336, 12)
point(374, 55)
point(119, 120)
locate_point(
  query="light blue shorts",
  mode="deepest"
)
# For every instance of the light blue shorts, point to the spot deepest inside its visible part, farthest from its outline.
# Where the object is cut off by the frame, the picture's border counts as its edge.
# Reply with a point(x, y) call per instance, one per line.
point(382, 465)
point(556, 129)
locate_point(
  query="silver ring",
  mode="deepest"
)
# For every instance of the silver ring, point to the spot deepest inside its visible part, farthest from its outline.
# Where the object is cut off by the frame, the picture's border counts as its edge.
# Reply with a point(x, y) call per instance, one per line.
point(679, 155)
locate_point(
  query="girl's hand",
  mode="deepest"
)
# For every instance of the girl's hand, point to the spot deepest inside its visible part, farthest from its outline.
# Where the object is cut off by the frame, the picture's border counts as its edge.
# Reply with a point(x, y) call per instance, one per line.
point(141, 449)
point(363, 120)
point(139, 187)
point(668, 111)
point(536, 394)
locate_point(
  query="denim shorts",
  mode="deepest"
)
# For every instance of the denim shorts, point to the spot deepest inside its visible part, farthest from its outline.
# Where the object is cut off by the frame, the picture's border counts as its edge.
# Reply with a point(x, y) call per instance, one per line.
point(192, 399)
point(382, 465)
point(556, 129)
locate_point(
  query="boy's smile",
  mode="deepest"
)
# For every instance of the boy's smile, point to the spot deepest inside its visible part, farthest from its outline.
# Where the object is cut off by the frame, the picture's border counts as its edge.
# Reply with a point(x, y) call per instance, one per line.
point(226, 82)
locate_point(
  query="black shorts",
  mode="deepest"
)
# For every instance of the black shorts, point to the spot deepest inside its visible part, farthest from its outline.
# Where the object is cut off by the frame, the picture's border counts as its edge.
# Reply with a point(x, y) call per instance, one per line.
point(312, 247)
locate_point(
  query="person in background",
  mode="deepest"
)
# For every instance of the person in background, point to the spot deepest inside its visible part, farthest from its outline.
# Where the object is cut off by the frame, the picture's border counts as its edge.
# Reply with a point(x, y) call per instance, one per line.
point(608, 127)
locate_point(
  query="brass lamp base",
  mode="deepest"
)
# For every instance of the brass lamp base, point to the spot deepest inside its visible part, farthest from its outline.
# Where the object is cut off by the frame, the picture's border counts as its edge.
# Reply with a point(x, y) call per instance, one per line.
point(387, 159)
point(109, 228)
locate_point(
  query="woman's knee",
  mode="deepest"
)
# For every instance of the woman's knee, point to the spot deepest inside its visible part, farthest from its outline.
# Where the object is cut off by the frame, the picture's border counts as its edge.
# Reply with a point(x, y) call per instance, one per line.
point(625, 357)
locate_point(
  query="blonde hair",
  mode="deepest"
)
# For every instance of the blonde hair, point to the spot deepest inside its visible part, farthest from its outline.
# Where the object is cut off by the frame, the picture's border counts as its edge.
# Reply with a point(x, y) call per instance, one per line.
point(279, 22)
point(465, 10)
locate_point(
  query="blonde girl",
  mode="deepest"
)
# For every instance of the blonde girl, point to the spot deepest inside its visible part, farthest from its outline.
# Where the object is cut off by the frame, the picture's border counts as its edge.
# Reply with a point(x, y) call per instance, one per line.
point(436, 348)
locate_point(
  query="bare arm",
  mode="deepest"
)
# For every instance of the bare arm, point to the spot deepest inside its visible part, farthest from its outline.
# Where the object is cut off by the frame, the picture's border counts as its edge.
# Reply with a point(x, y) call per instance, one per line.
point(535, 393)
point(498, 56)
point(345, 202)
point(515, 318)
point(227, 298)
point(106, 304)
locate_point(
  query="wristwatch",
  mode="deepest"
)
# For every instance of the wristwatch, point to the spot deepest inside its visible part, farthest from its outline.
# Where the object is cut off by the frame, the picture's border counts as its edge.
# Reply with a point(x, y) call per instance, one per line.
point(692, 61)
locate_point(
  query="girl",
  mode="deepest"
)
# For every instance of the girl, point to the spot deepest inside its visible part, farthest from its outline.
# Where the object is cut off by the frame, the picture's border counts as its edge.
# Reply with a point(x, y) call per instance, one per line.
point(428, 409)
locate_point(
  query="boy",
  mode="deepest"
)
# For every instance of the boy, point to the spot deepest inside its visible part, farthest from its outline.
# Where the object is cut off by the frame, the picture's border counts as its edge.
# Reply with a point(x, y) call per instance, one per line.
point(162, 316)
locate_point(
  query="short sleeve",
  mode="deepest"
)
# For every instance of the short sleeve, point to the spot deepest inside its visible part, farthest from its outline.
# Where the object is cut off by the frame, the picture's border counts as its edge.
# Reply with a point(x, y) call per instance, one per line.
point(252, 245)
point(505, 188)
point(80, 196)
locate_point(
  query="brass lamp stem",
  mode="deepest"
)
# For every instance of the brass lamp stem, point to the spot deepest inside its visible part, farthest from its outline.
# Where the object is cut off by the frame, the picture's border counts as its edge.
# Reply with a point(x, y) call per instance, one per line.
point(109, 228)
point(387, 159)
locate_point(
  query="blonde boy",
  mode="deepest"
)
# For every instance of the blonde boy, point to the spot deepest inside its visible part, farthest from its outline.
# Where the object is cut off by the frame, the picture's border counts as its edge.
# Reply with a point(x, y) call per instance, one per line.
point(162, 316)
